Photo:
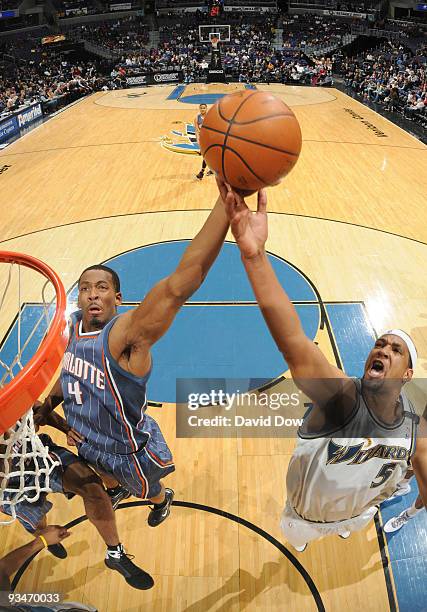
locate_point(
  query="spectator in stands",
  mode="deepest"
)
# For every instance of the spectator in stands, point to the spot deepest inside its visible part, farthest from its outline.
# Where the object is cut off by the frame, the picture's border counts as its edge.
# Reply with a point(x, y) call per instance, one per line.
point(391, 76)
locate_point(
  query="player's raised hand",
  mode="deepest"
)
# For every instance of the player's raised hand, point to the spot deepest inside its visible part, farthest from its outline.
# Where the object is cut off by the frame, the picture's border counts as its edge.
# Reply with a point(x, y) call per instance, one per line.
point(40, 414)
point(54, 534)
point(249, 229)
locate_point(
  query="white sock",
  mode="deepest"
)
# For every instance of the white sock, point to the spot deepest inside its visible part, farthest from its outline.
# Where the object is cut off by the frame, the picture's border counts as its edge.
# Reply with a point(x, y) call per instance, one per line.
point(115, 552)
point(413, 511)
point(404, 483)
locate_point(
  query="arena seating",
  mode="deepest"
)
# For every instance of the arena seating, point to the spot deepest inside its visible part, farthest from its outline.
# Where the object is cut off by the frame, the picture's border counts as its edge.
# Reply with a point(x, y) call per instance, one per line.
point(392, 76)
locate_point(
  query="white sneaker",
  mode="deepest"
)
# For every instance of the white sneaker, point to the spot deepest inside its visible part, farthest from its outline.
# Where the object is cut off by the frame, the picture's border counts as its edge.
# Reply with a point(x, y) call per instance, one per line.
point(344, 534)
point(397, 522)
point(401, 490)
point(300, 548)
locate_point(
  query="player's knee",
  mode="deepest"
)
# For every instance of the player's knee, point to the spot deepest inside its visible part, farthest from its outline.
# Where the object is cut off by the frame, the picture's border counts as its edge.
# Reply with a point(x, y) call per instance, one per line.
point(92, 489)
point(83, 481)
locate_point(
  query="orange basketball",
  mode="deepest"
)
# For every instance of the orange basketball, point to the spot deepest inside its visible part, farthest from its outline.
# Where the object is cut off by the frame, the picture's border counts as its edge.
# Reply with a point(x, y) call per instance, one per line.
point(250, 138)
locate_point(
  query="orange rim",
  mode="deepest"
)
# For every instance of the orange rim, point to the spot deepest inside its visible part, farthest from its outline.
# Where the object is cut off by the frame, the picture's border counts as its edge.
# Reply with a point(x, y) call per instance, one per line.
point(22, 391)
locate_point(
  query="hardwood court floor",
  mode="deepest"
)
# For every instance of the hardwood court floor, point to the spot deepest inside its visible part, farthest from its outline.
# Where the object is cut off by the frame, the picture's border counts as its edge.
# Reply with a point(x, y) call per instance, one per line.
point(351, 216)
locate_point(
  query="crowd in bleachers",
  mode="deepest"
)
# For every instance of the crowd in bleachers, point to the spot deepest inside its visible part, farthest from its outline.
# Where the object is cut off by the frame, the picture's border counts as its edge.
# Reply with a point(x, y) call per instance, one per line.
point(7, 5)
point(75, 8)
point(249, 56)
point(126, 34)
point(359, 6)
point(391, 77)
point(277, 66)
point(47, 78)
point(304, 31)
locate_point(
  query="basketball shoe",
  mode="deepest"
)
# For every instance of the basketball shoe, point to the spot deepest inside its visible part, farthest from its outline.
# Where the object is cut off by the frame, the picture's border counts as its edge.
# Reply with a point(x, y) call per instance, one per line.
point(402, 489)
point(117, 559)
point(117, 495)
point(397, 522)
point(160, 512)
point(58, 551)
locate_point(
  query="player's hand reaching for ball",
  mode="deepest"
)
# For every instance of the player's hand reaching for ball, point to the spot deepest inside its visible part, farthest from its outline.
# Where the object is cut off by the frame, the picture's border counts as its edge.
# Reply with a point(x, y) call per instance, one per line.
point(249, 228)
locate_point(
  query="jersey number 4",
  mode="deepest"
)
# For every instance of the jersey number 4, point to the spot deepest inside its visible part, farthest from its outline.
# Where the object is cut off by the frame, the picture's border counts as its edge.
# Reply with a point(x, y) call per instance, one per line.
point(385, 472)
point(74, 391)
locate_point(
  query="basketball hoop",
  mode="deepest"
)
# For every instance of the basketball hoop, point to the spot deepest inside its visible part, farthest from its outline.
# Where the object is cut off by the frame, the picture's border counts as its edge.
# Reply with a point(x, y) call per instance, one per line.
point(25, 464)
point(25, 388)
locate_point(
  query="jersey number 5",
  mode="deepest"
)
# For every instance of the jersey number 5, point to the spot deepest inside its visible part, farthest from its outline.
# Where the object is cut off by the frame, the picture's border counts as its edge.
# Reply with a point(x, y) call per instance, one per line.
point(74, 390)
point(385, 472)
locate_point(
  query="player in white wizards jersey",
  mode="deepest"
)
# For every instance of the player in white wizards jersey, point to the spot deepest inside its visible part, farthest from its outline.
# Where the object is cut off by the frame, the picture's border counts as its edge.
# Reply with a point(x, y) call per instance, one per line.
point(105, 370)
point(355, 443)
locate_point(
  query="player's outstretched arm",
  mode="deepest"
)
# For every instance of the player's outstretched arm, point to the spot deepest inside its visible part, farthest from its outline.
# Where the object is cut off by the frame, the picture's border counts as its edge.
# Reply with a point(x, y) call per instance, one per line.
point(419, 460)
point(305, 359)
point(136, 331)
point(13, 561)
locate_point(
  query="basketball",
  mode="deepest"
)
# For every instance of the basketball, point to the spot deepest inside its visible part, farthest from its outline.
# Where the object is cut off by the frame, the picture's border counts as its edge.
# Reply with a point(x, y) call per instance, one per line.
point(250, 138)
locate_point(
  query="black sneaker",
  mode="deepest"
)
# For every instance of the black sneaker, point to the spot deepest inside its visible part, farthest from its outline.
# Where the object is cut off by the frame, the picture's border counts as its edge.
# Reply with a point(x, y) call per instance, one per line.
point(57, 550)
point(160, 512)
point(134, 575)
point(200, 175)
point(117, 495)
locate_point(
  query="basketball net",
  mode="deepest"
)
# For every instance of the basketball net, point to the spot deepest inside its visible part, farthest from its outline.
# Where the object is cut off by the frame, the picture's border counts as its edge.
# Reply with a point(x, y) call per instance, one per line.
point(25, 463)
point(215, 41)
point(25, 467)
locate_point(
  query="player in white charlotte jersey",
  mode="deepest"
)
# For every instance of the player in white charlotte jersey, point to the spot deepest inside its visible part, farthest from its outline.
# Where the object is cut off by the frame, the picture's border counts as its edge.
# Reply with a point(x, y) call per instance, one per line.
point(355, 443)
point(105, 370)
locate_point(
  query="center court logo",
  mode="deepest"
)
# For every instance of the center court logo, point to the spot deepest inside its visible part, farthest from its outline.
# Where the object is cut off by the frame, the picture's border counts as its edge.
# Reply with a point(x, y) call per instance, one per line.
point(181, 140)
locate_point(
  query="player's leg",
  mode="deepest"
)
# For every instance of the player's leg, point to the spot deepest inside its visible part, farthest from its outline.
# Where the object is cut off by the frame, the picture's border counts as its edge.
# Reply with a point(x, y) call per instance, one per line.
point(141, 476)
point(202, 171)
point(404, 486)
point(115, 490)
point(77, 478)
point(345, 528)
point(162, 502)
point(80, 479)
point(156, 463)
point(297, 531)
point(397, 522)
point(160, 498)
